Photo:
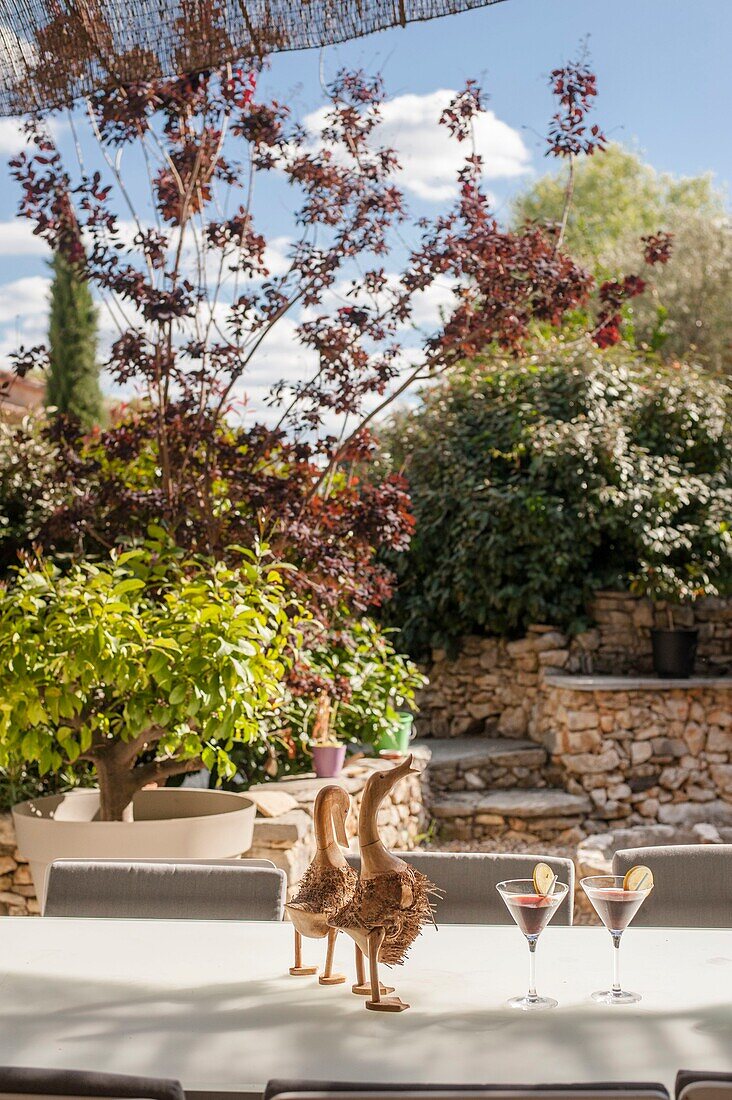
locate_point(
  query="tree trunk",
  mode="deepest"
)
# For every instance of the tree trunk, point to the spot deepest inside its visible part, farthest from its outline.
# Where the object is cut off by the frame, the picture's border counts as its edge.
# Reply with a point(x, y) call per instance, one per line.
point(119, 779)
point(116, 788)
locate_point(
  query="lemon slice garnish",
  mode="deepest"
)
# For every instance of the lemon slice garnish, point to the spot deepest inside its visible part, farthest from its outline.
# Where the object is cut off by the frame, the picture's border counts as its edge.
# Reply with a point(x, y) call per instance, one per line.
point(544, 879)
point(638, 878)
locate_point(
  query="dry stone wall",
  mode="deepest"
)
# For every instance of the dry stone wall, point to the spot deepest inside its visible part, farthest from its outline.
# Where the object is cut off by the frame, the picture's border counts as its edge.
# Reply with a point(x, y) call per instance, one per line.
point(493, 687)
point(626, 747)
point(17, 894)
point(642, 753)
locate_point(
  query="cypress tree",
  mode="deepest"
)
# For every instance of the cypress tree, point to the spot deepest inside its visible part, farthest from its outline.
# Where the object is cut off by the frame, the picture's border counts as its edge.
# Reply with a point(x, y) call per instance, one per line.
point(73, 380)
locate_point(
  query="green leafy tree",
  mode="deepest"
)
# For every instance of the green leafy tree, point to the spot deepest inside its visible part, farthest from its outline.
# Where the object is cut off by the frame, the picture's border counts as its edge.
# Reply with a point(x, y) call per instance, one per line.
point(616, 197)
point(73, 378)
point(147, 665)
point(535, 483)
point(617, 200)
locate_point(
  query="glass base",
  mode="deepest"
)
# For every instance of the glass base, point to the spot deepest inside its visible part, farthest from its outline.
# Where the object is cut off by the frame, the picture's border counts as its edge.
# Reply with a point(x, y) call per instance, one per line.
point(531, 1004)
point(616, 997)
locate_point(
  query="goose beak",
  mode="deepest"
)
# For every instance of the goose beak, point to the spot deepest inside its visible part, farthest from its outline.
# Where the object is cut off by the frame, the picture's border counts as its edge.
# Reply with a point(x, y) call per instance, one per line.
point(403, 769)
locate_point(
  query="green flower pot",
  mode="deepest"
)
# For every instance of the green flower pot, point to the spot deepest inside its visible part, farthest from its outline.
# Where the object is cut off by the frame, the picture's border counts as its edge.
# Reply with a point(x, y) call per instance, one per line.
point(398, 737)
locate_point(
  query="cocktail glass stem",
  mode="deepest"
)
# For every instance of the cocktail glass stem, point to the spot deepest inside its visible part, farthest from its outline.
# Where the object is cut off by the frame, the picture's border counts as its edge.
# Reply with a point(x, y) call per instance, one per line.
point(532, 967)
point(616, 964)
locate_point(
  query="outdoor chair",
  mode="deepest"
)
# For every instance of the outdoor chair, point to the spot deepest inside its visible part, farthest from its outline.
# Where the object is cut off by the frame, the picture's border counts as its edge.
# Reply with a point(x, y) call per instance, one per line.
point(19, 1081)
point(316, 1090)
point(233, 889)
point(692, 884)
point(697, 1085)
point(468, 882)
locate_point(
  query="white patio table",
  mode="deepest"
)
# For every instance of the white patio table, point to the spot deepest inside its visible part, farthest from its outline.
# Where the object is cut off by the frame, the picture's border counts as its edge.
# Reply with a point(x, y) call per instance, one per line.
point(212, 1005)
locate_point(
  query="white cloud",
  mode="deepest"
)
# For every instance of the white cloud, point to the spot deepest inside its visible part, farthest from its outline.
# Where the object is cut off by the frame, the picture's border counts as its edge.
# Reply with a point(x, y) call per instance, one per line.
point(17, 239)
point(13, 137)
point(429, 157)
point(23, 315)
point(25, 299)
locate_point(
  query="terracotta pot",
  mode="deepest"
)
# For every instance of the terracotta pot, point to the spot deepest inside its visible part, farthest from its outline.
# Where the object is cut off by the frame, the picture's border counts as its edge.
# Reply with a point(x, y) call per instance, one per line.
point(169, 823)
point(328, 760)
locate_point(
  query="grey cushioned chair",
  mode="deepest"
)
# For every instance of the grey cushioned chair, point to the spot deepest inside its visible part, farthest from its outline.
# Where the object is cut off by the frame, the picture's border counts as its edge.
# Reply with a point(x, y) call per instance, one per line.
point(468, 881)
point(697, 1085)
point(320, 1090)
point(692, 884)
point(166, 889)
point(18, 1081)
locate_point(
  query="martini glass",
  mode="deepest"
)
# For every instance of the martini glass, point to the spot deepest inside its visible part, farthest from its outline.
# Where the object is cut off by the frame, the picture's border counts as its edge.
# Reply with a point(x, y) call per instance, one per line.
point(532, 912)
point(616, 907)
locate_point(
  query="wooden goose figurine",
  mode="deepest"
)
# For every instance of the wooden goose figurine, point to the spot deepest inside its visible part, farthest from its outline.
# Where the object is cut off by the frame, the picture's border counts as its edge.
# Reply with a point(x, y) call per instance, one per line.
point(328, 883)
point(391, 901)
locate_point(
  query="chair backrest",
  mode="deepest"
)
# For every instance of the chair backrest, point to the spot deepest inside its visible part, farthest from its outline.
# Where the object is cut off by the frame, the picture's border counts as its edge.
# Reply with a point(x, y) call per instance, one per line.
point(165, 889)
point(692, 884)
point(698, 1085)
point(317, 1090)
point(468, 882)
point(19, 1081)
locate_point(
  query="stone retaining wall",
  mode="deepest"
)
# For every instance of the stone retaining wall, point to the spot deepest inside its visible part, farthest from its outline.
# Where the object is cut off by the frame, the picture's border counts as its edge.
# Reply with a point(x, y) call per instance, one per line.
point(493, 686)
point(288, 839)
point(643, 750)
point(17, 894)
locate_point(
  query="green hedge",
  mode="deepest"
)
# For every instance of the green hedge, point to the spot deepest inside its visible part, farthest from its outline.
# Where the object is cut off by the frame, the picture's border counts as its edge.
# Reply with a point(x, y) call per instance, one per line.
point(535, 482)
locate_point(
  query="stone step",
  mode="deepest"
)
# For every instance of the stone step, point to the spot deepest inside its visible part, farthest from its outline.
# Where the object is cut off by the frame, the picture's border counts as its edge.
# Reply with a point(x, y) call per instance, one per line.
point(545, 802)
point(464, 753)
point(485, 764)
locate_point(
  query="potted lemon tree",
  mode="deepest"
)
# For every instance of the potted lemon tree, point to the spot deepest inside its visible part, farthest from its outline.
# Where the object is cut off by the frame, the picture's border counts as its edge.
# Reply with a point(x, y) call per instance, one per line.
point(145, 666)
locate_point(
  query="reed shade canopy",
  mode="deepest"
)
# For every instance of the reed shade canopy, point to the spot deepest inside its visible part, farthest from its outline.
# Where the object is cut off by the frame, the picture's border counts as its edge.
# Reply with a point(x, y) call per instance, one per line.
point(53, 52)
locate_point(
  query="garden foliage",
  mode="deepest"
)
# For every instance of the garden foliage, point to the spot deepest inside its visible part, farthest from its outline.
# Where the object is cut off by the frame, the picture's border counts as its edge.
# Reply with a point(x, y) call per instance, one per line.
point(618, 200)
point(368, 681)
point(30, 489)
point(534, 483)
point(147, 665)
point(196, 298)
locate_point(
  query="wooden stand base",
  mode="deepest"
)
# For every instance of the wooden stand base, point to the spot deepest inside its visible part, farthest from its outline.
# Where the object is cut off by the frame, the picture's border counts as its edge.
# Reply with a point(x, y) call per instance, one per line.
point(303, 971)
point(332, 979)
point(387, 1004)
point(364, 990)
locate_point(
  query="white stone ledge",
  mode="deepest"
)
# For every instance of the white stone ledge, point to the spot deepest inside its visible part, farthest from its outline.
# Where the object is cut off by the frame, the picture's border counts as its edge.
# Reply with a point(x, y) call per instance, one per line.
point(636, 683)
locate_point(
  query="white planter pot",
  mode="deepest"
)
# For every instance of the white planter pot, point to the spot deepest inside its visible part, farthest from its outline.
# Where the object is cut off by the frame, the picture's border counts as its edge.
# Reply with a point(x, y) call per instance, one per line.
point(169, 823)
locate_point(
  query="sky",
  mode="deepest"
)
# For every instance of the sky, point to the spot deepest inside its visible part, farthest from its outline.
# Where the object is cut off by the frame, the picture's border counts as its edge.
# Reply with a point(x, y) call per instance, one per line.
point(665, 87)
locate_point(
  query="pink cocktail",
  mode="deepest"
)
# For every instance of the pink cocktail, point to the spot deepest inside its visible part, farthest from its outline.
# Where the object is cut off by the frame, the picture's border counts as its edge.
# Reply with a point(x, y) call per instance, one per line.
point(532, 912)
point(615, 906)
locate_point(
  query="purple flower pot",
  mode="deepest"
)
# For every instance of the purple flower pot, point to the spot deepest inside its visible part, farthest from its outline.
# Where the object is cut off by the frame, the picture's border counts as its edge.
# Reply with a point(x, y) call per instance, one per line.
point(328, 760)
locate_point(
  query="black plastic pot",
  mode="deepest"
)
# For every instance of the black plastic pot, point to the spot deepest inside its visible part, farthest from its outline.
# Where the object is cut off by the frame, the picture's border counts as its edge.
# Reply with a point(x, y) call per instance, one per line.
point(674, 653)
